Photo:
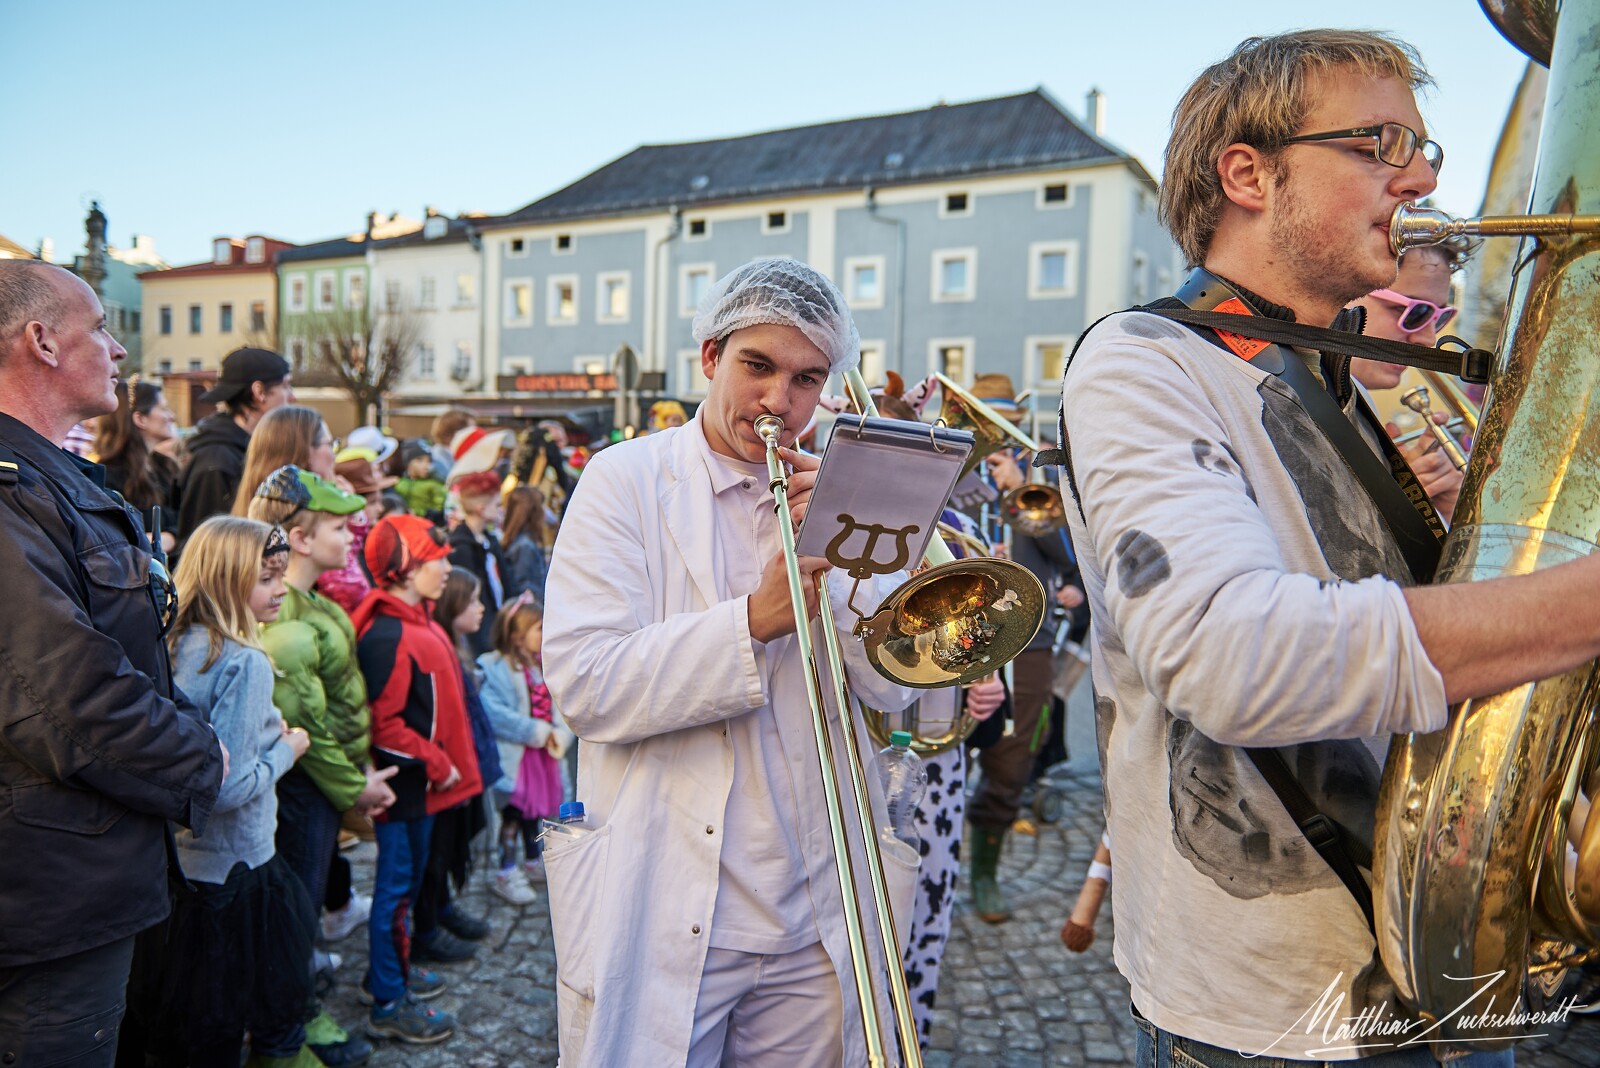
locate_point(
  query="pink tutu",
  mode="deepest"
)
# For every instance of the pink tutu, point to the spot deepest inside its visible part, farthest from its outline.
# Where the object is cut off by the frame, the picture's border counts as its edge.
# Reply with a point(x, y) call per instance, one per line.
point(538, 791)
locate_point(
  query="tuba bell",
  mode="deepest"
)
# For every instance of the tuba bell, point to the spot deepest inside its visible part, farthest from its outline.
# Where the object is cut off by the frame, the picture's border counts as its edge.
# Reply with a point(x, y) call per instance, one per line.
point(1474, 886)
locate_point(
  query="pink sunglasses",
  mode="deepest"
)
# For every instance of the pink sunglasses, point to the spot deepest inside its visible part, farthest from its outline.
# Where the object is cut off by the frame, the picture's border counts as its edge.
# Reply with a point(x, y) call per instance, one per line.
point(1415, 313)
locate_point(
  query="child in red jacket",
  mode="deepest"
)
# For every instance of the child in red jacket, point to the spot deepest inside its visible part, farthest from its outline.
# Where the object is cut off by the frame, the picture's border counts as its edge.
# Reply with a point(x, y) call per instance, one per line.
point(420, 725)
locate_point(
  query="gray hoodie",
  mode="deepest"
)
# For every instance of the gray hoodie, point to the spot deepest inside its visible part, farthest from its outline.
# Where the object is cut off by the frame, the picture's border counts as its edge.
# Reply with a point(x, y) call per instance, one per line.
point(236, 695)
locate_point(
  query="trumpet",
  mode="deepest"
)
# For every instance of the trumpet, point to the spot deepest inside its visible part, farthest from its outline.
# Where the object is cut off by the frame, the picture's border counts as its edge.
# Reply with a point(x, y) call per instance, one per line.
point(1416, 398)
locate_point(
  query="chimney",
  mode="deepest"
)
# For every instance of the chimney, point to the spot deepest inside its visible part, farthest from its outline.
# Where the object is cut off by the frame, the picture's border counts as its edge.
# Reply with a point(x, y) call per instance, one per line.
point(1094, 111)
point(372, 221)
point(47, 249)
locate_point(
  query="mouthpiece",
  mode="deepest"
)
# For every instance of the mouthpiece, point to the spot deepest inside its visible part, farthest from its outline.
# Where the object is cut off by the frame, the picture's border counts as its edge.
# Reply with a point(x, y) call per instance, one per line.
point(769, 427)
point(1412, 227)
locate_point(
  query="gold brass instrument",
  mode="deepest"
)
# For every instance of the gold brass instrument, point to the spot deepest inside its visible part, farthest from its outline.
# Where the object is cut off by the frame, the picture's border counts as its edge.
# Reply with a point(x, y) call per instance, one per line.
point(1034, 509)
point(1416, 398)
point(1470, 875)
point(1412, 227)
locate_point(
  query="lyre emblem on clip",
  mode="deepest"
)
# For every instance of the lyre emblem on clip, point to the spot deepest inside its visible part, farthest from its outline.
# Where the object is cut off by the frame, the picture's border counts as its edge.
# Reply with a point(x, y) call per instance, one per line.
point(861, 566)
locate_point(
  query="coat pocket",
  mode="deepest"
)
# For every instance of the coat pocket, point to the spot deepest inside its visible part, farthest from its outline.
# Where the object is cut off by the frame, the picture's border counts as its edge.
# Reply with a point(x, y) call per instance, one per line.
point(575, 871)
point(62, 808)
point(900, 866)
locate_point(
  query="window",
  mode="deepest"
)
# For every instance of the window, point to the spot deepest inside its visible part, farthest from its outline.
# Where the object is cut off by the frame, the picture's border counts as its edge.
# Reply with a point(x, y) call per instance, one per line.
point(297, 293)
point(518, 365)
point(519, 302)
point(561, 305)
point(258, 315)
point(775, 222)
point(326, 283)
point(461, 369)
point(195, 365)
point(222, 252)
point(225, 319)
point(194, 318)
point(166, 320)
point(518, 247)
point(255, 250)
point(863, 280)
point(699, 228)
point(590, 365)
point(425, 291)
point(561, 244)
point(1052, 270)
point(693, 281)
point(164, 367)
point(297, 352)
point(951, 357)
point(133, 321)
point(611, 297)
point(355, 290)
point(1047, 358)
point(955, 274)
point(425, 361)
point(955, 204)
point(1141, 277)
point(466, 290)
point(391, 294)
point(872, 366)
point(1055, 195)
point(691, 378)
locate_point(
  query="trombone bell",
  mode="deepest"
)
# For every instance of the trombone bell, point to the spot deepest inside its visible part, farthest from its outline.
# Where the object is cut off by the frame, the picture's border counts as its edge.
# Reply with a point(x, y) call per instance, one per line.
point(990, 430)
point(1034, 510)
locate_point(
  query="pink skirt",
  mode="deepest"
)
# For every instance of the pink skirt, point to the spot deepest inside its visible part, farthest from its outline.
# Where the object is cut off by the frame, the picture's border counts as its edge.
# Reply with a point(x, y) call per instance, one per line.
point(538, 791)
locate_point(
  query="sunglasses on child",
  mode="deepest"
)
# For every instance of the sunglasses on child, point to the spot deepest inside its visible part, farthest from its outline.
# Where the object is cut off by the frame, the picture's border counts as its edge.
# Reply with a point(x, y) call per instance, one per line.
point(1415, 313)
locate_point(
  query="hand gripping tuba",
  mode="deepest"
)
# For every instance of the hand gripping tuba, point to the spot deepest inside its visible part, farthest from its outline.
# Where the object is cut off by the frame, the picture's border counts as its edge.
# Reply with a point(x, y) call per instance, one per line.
point(1473, 890)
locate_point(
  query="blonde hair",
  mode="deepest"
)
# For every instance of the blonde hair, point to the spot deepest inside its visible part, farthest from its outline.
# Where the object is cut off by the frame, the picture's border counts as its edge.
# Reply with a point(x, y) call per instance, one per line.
point(284, 436)
point(1258, 96)
point(216, 575)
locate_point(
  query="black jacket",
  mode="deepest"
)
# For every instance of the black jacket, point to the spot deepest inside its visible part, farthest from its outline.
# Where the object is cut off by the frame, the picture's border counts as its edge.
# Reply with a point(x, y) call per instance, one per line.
point(164, 474)
point(466, 551)
point(216, 464)
point(95, 756)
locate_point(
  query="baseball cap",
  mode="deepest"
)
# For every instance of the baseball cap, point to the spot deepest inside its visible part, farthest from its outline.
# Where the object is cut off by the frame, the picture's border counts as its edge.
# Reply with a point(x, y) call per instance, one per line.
point(243, 368)
point(305, 489)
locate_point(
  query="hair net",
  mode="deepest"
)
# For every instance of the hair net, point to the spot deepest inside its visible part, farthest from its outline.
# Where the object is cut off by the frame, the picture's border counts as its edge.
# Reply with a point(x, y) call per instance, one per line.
point(786, 292)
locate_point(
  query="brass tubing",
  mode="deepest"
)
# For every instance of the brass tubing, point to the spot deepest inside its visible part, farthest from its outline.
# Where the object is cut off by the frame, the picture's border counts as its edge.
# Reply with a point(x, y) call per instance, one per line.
point(769, 427)
point(1413, 227)
point(1416, 398)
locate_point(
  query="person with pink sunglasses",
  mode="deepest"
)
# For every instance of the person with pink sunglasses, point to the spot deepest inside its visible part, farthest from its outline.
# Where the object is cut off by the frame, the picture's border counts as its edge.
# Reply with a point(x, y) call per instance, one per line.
point(1415, 308)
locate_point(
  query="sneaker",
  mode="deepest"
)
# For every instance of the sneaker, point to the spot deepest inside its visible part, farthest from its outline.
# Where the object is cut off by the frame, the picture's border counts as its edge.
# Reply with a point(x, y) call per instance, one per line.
point(512, 884)
point(410, 1021)
point(464, 925)
point(334, 1046)
point(442, 947)
point(534, 869)
point(338, 924)
point(323, 961)
point(423, 986)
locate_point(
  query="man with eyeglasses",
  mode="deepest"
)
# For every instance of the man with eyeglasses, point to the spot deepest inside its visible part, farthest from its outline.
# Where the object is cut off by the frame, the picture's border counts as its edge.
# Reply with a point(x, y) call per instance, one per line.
point(1256, 572)
point(1416, 308)
point(97, 749)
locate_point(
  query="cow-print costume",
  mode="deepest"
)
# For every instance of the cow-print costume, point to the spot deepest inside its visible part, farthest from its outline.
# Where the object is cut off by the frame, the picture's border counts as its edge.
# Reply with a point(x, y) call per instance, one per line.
point(939, 820)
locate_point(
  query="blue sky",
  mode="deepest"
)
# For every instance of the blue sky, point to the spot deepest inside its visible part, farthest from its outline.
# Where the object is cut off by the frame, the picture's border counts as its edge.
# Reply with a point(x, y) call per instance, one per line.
point(192, 120)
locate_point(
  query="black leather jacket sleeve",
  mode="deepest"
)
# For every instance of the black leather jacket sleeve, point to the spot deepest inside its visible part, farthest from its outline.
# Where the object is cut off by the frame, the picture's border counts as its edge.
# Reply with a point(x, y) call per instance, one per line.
point(74, 709)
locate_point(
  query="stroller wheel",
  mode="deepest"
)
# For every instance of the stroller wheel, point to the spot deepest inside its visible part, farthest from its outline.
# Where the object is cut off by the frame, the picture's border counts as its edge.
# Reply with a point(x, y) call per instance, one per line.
point(1047, 804)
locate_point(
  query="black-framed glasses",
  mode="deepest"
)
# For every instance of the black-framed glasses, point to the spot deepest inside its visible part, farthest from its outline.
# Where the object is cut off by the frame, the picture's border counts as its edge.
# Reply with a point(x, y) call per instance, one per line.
point(1394, 143)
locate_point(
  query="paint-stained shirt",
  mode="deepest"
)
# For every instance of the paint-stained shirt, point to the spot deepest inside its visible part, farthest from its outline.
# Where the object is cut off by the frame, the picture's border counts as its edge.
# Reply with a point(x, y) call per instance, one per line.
point(1236, 573)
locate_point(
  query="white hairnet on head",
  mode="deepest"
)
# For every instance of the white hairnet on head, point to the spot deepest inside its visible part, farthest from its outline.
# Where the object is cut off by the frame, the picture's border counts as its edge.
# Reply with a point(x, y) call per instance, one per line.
point(786, 292)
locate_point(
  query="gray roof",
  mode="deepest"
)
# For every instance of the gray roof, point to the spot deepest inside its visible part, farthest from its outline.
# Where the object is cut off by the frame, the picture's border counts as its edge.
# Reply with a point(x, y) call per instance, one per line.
point(1026, 132)
point(457, 230)
point(332, 249)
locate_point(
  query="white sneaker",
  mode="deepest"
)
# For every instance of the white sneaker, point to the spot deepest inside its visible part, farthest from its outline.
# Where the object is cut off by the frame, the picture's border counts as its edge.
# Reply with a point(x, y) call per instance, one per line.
point(339, 923)
point(513, 886)
point(534, 869)
point(323, 961)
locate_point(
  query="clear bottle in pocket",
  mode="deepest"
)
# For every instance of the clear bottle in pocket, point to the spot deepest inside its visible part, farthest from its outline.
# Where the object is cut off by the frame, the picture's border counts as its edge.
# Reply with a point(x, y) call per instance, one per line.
point(904, 780)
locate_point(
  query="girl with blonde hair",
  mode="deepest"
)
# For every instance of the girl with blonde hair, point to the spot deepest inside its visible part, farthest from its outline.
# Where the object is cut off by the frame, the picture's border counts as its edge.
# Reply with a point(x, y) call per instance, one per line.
point(232, 957)
point(287, 435)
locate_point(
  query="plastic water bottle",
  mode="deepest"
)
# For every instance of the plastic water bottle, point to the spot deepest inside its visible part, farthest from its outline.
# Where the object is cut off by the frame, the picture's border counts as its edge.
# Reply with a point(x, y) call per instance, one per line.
point(570, 821)
point(904, 780)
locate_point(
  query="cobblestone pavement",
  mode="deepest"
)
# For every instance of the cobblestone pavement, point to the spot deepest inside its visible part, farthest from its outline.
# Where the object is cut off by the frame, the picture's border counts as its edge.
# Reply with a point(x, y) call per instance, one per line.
point(1010, 995)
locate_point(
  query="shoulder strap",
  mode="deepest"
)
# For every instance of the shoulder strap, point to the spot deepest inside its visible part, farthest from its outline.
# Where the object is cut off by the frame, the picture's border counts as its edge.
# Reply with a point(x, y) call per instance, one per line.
point(1393, 489)
point(1323, 833)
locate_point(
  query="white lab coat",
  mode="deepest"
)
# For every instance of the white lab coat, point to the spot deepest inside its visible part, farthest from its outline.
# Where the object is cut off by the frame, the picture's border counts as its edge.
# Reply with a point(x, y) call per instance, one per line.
point(647, 661)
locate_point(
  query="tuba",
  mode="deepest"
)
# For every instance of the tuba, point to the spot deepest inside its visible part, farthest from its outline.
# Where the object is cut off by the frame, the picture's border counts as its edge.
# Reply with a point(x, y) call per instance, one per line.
point(1473, 890)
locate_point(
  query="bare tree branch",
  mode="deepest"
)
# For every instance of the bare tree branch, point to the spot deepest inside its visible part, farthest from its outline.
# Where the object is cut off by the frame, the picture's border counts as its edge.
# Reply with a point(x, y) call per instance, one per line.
point(364, 350)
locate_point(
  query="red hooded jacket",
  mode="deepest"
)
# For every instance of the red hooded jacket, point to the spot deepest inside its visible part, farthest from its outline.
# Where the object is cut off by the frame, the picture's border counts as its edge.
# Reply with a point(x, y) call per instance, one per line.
point(419, 705)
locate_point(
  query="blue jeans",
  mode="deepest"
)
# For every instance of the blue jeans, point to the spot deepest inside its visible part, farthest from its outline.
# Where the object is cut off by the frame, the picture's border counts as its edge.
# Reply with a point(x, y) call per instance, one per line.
point(402, 858)
point(1156, 1048)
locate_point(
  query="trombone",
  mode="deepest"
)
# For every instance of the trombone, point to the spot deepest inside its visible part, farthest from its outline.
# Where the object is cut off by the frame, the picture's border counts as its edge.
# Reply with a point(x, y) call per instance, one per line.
point(953, 623)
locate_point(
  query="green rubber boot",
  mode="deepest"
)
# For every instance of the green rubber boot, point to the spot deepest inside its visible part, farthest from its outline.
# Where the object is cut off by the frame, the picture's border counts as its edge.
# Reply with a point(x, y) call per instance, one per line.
point(304, 1059)
point(988, 900)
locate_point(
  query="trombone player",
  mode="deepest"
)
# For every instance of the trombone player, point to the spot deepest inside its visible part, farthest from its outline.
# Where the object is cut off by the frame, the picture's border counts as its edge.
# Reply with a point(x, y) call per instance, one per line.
point(701, 922)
